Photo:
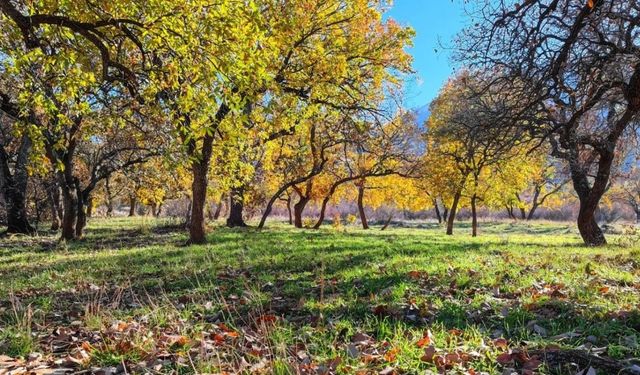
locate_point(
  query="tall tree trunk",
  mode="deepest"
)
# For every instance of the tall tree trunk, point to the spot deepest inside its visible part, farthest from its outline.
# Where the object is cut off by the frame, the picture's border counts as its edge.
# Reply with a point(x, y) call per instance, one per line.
point(298, 209)
point(133, 203)
point(445, 212)
point(474, 216)
point(363, 215)
point(452, 212)
point(236, 208)
point(197, 232)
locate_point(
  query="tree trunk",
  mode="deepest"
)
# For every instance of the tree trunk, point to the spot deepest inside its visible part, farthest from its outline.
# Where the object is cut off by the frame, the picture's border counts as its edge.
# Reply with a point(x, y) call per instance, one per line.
point(289, 209)
point(523, 213)
point(363, 216)
point(236, 208)
point(17, 219)
point(133, 202)
point(197, 233)
point(532, 211)
point(89, 207)
point(218, 211)
point(510, 212)
point(298, 209)
point(323, 211)
point(445, 212)
point(14, 188)
point(474, 217)
point(386, 224)
point(53, 193)
point(638, 217)
point(438, 215)
point(81, 219)
point(589, 197)
point(108, 198)
point(452, 212)
point(70, 204)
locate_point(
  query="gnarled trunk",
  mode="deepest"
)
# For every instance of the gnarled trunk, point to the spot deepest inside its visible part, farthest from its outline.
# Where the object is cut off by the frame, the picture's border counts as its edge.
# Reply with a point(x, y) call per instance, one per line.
point(236, 208)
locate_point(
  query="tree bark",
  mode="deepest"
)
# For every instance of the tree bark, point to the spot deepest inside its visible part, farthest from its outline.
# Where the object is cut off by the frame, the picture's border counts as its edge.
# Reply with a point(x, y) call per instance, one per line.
point(14, 188)
point(89, 207)
point(589, 197)
point(218, 211)
point(298, 209)
point(386, 224)
point(197, 233)
point(438, 215)
point(289, 209)
point(363, 215)
point(236, 208)
point(70, 205)
point(81, 219)
point(452, 212)
point(133, 202)
point(474, 217)
point(53, 193)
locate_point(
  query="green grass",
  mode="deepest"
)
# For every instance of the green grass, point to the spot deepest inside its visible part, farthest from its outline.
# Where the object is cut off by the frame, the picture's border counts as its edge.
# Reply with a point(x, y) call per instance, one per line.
point(295, 299)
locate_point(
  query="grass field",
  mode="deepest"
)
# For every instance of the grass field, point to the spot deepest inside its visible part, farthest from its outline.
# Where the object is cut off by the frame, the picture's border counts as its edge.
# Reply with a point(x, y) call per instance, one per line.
point(130, 297)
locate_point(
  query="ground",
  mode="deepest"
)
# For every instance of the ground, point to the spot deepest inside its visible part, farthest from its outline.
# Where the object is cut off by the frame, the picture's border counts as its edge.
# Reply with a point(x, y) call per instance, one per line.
point(130, 297)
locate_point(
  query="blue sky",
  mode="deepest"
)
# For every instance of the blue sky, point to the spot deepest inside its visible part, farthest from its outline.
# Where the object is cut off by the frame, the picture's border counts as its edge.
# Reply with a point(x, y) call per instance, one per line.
point(434, 21)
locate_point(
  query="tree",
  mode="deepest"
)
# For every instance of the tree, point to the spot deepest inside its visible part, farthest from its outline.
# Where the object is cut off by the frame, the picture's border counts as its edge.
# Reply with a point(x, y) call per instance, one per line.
point(573, 72)
point(383, 149)
point(461, 133)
